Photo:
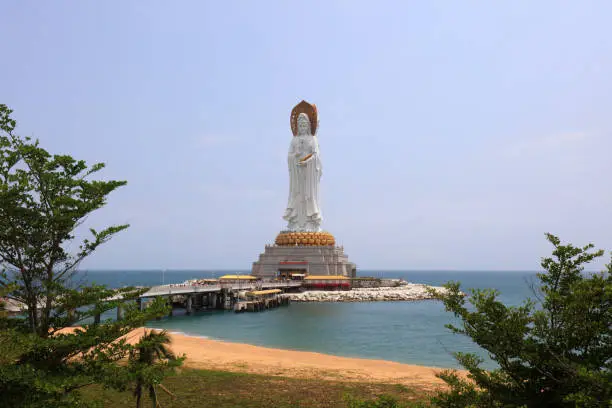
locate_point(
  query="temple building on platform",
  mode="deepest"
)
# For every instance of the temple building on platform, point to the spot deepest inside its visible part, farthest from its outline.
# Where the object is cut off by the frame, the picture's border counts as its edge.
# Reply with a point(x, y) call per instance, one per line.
point(303, 250)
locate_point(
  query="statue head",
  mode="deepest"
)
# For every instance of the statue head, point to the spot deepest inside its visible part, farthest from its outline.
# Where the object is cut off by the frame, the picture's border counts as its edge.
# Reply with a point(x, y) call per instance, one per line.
point(303, 124)
point(304, 112)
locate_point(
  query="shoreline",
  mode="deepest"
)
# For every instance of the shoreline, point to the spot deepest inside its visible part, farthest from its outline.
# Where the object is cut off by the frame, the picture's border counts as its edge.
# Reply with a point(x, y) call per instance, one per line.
point(204, 353)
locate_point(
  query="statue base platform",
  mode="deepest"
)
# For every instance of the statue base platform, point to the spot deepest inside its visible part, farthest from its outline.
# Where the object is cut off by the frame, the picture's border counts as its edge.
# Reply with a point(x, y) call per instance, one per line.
point(282, 261)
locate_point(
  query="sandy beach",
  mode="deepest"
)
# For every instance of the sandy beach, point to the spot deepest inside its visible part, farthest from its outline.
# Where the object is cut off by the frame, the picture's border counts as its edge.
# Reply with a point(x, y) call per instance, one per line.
point(238, 357)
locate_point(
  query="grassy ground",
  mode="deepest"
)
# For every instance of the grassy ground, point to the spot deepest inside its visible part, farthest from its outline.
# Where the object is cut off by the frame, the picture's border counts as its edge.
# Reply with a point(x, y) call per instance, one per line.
point(220, 389)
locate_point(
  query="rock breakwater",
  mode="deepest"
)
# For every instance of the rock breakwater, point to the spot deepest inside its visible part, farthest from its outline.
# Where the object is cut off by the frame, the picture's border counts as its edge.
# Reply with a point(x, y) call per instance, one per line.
point(408, 292)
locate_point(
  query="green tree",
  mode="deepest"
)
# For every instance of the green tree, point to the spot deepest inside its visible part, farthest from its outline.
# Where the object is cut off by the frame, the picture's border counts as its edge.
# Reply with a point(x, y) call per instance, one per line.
point(554, 351)
point(150, 361)
point(44, 199)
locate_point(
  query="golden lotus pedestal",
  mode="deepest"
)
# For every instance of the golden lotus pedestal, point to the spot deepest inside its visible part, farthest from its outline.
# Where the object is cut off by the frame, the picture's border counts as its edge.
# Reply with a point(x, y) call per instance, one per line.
point(305, 239)
point(308, 253)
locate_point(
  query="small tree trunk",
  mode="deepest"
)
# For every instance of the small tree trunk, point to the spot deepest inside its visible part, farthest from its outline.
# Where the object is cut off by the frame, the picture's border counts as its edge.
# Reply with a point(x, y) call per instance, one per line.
point(33, 313)
point(153, 396)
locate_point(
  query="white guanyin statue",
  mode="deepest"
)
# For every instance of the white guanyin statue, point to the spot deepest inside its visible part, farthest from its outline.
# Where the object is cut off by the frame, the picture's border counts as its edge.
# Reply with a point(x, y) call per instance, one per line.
point(303, 212)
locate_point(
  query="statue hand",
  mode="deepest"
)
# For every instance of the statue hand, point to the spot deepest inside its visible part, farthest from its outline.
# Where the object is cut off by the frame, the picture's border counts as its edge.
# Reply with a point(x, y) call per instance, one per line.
point(306, 158)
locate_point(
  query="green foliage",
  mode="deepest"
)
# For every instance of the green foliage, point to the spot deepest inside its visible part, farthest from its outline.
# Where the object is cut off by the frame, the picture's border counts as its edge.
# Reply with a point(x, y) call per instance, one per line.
point(44, 198)
point(3, 292)
point(150, 361)
point(552, 352)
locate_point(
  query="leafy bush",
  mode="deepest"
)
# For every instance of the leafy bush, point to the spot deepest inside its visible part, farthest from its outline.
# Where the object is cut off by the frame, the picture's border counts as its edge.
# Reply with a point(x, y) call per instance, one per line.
point(554, 351)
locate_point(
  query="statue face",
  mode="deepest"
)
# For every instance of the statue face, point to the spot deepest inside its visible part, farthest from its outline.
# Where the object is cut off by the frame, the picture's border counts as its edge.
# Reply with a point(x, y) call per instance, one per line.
point(303, 124)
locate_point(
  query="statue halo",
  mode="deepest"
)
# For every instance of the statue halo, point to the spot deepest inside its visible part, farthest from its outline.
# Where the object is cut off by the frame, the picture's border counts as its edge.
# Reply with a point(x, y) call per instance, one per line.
point(308, 109)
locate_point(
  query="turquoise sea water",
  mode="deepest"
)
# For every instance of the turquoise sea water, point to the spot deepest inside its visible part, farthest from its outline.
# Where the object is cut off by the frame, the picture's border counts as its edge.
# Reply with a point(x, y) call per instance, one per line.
point(406, 332)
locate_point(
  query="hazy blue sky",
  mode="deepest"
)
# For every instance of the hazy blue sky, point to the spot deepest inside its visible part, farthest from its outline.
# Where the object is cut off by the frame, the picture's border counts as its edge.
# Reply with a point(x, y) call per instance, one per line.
point(453, 134)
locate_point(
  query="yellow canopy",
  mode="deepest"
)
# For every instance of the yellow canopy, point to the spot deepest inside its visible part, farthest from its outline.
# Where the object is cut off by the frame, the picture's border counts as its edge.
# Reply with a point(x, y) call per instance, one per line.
point(238, 277)
point(325, 277)
point(264, 292)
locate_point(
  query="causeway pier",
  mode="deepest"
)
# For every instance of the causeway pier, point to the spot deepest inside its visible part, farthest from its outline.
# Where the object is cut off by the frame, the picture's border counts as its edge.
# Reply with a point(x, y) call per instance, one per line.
point(215, 296)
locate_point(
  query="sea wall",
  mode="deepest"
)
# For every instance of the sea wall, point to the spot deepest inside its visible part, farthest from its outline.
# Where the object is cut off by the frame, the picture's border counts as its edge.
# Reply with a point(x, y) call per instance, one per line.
point(411, 291)
point(376, 282)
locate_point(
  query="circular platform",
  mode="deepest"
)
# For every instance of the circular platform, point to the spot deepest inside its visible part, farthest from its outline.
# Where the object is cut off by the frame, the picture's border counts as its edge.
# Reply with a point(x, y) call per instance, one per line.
point(305, 239)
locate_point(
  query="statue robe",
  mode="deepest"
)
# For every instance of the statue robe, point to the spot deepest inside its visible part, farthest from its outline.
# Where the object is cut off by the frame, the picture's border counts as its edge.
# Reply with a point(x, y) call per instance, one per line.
point(303, 212)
